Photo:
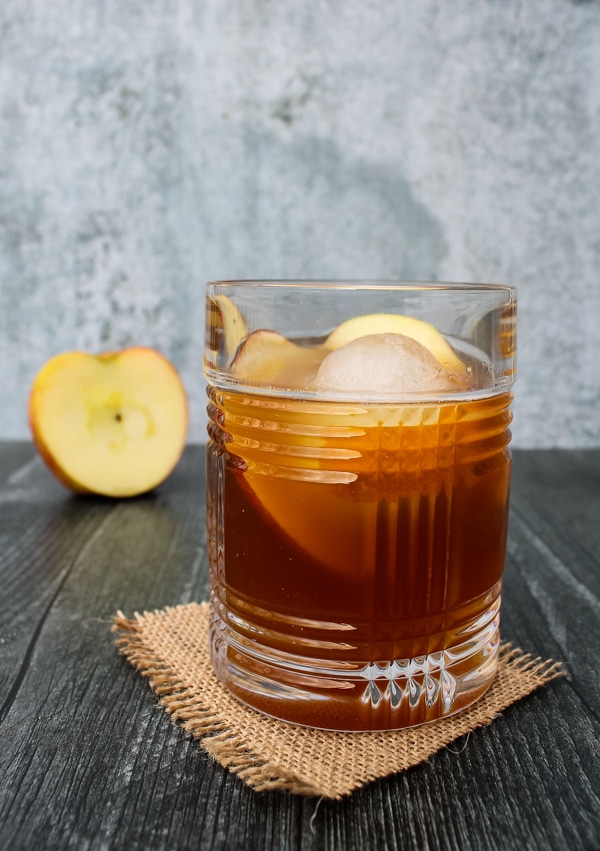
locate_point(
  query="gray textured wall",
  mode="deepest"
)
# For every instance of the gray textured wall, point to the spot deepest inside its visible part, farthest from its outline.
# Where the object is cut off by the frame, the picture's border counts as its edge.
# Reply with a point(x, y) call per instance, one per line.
point(147, 146)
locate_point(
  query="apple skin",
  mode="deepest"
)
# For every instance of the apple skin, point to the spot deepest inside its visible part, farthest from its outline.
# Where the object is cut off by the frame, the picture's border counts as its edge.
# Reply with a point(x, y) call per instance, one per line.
point(141, 476)
point(49, 461)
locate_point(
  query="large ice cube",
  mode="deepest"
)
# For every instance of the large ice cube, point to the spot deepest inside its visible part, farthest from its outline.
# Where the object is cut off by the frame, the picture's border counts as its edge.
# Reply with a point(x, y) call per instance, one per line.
point(383, 364)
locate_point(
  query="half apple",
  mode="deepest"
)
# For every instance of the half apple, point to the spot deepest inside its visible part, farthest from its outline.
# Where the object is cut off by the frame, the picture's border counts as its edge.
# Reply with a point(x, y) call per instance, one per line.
point(113, 424)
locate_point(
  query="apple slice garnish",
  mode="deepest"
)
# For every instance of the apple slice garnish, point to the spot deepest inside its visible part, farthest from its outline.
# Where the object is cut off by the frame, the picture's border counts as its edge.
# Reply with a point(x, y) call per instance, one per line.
point(393, 323)
point(317, 518)
point(232, 323)
point(268, 358)
point(112, 424)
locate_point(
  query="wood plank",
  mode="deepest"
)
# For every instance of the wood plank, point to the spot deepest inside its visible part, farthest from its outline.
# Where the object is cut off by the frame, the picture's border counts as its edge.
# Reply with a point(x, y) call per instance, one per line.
point(14, 457)
point(82, 559)
point(89, 761)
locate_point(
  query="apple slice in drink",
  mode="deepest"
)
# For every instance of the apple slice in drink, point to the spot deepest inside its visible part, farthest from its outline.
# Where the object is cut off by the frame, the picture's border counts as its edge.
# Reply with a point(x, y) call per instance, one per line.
point(316, 515)
point(268, 358)
point(224, 318)
point(319, 454)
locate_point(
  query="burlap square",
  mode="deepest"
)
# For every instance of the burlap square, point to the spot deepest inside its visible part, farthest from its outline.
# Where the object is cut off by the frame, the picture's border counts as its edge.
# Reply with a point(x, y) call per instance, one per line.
point(171, 648)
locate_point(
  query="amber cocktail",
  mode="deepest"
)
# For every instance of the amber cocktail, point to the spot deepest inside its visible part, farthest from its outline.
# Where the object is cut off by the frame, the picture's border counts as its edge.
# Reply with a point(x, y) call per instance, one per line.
point(358, 483)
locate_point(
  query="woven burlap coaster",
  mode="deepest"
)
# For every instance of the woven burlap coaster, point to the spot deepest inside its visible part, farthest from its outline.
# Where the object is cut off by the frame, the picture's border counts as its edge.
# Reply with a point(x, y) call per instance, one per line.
point(171, 648)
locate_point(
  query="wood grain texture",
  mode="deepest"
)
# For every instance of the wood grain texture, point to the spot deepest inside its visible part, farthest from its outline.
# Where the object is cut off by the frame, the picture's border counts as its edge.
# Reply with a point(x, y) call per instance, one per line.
point(88, 760)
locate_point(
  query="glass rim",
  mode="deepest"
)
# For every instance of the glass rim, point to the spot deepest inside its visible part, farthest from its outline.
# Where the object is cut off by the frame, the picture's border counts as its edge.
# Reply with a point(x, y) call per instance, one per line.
point(362, 284)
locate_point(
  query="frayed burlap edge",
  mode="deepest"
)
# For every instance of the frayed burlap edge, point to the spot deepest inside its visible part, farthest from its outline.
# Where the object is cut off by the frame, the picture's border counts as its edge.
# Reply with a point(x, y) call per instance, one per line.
point(170, 647)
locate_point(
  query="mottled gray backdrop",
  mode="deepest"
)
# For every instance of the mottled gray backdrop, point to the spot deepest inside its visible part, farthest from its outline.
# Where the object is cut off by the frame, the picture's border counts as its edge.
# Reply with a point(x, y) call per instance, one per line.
point(147, 146)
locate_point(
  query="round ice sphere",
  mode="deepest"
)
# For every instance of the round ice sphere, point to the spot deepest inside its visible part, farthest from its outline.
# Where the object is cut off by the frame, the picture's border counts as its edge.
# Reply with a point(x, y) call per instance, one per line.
point(383, 364)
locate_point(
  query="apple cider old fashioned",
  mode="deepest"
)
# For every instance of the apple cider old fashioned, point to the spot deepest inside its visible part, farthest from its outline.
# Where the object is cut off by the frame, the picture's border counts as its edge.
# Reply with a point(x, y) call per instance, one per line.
point(358, 472)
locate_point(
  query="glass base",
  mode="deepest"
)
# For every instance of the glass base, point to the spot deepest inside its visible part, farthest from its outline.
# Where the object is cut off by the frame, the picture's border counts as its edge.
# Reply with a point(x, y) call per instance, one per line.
point(356, 696)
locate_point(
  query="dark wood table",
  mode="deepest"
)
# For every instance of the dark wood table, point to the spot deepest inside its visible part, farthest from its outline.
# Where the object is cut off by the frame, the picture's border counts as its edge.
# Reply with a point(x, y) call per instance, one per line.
point(89, 761)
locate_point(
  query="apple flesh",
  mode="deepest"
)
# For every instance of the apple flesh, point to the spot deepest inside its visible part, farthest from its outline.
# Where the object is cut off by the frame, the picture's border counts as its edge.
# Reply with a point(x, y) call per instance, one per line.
point(267, 357)
point(113, 424)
